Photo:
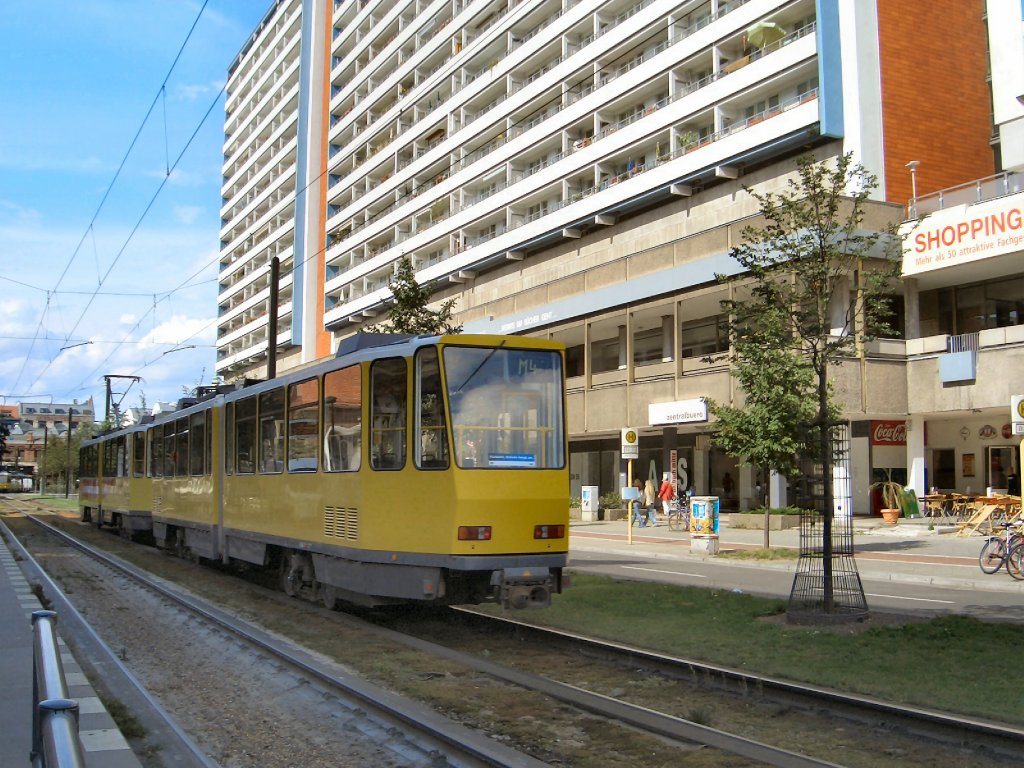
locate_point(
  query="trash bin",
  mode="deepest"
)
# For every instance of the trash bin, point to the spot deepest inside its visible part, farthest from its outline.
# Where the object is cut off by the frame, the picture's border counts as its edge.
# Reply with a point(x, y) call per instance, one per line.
point(589, 504)
point(704, 525)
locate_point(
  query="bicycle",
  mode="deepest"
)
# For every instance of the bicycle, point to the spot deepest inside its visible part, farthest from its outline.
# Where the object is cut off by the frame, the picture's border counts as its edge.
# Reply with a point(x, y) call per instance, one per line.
point(679, 515)
point(997, 549)
point(1015, 556)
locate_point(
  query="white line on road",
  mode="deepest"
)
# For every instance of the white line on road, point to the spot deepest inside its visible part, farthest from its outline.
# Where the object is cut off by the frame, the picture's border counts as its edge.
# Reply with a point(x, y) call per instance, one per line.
point(903, 597)
point(655, 570)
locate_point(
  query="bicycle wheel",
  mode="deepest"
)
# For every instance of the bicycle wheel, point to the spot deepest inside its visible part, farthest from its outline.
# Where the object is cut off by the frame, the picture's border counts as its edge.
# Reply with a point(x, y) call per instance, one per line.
point(1015, 562)
point(993, 552)
point(673, 522)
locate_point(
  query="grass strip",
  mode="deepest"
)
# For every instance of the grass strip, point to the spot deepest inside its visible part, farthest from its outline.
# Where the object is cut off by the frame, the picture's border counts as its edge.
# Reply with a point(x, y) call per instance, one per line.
point(953, 663)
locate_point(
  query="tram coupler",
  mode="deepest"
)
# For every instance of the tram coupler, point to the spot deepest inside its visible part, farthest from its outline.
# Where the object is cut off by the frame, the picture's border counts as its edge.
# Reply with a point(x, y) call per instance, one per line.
point(519, 588)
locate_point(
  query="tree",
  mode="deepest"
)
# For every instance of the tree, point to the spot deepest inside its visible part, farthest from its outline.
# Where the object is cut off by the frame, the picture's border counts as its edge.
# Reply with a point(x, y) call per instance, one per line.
point(802, 318)
point(410, 313)
point(54, 464)
point(5, 432)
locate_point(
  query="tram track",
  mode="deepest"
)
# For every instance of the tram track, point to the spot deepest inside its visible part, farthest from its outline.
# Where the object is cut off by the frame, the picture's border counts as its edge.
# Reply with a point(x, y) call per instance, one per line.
point(398, 731)
point(680, 731)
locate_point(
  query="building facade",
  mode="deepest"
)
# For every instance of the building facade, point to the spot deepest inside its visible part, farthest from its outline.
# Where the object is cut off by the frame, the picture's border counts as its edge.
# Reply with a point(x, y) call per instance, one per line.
point(576, 169)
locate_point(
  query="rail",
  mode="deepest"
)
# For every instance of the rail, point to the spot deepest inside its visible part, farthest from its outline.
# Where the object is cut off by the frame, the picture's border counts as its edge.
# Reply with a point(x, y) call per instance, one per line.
point(55, 742)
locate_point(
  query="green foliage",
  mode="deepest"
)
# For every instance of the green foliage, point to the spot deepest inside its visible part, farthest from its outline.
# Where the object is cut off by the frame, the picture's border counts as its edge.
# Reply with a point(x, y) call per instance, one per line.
point(410, 313)
point(778, 511)
point(799, 263)
point(611, 500)
point(5, 432)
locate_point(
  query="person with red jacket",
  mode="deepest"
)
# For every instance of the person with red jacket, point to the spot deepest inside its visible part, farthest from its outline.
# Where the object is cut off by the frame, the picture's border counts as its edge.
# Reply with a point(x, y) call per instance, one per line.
point(666, 492)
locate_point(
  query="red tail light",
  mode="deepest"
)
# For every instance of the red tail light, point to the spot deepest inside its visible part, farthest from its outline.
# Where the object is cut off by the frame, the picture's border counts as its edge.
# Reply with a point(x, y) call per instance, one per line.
point(474, 533)
point(549, 531)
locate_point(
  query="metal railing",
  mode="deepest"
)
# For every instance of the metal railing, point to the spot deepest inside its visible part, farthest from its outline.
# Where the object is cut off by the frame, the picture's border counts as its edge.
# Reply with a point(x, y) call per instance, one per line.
point(977, 191)
point(965, 342)
point(55, 742)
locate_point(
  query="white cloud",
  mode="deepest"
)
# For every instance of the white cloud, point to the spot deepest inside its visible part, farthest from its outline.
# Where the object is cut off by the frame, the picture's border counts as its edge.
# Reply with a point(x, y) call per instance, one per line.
point(187, 214)
point(195, 91)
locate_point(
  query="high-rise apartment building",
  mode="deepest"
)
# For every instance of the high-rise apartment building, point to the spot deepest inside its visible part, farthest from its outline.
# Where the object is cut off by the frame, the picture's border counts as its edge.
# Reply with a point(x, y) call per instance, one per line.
point(575, 169)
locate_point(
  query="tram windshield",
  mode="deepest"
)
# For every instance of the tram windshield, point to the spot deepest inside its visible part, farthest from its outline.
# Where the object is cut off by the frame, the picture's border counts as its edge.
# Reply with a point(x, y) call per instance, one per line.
point(506, 407)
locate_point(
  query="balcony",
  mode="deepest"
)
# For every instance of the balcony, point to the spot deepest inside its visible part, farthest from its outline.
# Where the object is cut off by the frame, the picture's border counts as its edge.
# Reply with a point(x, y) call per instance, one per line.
point(988, 188)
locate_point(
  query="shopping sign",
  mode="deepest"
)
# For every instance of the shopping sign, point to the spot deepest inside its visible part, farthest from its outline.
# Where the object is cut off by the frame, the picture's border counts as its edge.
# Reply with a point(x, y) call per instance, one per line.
point(888, 433)
point(1017, 408)
point(630, 444)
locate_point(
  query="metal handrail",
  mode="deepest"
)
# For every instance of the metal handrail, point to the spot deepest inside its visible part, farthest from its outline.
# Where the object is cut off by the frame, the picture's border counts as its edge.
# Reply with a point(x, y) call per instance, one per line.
point(55, 740)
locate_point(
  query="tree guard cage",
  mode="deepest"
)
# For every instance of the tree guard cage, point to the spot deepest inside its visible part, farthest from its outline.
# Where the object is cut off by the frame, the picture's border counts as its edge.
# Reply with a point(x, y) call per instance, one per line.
point(807, 597)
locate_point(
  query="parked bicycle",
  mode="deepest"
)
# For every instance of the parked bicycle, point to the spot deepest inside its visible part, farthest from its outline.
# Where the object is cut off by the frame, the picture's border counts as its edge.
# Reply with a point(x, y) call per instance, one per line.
point(679, 514)
point(996, 550)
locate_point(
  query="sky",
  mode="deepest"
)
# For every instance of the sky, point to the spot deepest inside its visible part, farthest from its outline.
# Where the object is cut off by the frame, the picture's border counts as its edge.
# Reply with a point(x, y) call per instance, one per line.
point(109, 218)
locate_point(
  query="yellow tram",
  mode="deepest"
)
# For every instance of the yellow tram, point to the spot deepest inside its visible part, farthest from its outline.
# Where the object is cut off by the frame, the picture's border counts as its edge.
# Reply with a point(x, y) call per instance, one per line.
point(425, 469)
point(114, 488)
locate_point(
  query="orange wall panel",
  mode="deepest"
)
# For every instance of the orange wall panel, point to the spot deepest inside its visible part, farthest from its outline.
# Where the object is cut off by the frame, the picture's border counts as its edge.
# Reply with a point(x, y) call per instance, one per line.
point(935, 94)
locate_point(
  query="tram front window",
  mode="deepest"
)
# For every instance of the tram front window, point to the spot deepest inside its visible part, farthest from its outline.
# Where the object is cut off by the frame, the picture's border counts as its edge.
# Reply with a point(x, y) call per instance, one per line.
point(506, 407)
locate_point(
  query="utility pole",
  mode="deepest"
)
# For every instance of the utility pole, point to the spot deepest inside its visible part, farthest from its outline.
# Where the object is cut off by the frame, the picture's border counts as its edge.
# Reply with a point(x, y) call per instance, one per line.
point(41, 464)
point(67, 463)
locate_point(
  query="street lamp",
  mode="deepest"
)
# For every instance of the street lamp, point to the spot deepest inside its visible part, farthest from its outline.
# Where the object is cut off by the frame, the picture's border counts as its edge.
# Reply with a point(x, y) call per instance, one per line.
point(912, 165)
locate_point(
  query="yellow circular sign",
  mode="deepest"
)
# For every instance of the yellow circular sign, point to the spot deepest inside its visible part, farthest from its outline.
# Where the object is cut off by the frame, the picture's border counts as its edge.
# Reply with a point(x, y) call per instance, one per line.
point(1020, 408)
point(631, 436)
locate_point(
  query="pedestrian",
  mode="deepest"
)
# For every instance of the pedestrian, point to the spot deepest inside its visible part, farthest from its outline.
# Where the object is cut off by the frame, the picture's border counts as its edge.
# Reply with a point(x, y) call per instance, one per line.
point(651, 503)
point(666, 492)
point(637, 505)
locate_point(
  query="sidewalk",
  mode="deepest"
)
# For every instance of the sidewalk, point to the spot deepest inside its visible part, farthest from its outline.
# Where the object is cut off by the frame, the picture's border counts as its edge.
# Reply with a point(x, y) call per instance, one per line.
point(910, 551)
point(102, 742)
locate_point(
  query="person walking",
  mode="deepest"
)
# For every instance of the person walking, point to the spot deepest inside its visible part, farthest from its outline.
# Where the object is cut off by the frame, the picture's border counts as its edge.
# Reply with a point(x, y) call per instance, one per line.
point(651, 503)
point(637, 505)
point(666, 492)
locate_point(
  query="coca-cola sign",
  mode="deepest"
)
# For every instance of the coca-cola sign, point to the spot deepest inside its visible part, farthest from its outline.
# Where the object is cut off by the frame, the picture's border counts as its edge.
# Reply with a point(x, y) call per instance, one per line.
point(888, 433)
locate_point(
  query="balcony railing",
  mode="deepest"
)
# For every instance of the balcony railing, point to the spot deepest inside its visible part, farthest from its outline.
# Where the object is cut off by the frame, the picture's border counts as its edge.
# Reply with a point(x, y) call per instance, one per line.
point(965, 342)
point(988, 188)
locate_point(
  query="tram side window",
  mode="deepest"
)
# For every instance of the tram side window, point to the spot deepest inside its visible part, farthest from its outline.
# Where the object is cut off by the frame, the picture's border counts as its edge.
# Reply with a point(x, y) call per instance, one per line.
point(109, 459)
point(272, 431)
point(139, 454)
point(122, 456)
point(245, 436)
point(197, 449)
point(343, 420)
point(229, 439)
point(156, 451)
point(388, 411)
point(303, 425)
point(431, 440)
point(181, 448)
point(169, 449)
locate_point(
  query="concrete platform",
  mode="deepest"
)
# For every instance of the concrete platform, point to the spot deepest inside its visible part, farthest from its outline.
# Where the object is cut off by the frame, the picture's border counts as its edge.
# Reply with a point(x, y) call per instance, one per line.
point(102, 742)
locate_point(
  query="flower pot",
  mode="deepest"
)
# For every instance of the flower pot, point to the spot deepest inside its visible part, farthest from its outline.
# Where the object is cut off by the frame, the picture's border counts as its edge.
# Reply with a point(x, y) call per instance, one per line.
point(891, 516)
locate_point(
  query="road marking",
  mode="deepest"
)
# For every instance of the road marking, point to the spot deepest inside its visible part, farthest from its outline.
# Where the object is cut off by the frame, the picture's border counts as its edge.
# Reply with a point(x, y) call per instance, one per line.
point(903, 597)
point(655, 570)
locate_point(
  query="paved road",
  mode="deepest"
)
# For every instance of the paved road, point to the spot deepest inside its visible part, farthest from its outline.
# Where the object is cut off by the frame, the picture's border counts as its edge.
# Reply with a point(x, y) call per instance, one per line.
point(907, 567)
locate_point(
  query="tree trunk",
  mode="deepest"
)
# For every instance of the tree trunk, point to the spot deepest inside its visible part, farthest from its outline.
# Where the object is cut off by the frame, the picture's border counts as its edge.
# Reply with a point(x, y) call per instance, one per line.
point(825, 437)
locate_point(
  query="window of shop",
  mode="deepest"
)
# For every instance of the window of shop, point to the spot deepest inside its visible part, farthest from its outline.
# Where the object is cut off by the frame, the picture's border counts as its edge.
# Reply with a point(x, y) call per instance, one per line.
point(604, 355)
point(706, 336)
point(647, 346)
point(971, 308)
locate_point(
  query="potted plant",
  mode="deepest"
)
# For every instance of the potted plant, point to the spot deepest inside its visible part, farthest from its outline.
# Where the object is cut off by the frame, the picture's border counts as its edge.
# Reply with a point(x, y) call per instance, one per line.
point(892, 500)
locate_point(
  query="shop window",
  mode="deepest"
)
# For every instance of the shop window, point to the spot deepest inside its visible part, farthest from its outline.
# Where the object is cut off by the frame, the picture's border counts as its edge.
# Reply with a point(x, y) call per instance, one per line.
point(604, 355)
point(647, 346)
point(707, 336)
point(574, 360)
